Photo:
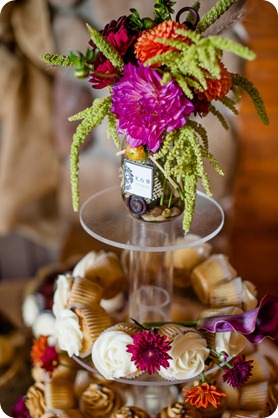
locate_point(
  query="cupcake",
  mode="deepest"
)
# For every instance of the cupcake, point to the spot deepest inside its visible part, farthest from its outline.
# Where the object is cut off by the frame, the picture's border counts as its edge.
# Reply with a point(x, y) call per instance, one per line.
point(186, 259)
point(68, 332)
point(84, 292)
point(227, 294)
point(254, 397)
point(35, 400)
point(99, 400)
point(214, 270)
point(188, 351)
point(93, 321)
point(109, 353)
point(249, 296)
point(105, 268)
point(260, 370)
point(59, 394)
point(130, 411)
point(179, 410)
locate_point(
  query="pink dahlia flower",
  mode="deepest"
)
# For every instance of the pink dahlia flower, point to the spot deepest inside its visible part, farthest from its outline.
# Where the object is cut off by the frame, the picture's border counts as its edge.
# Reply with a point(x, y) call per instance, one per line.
point(146, 109)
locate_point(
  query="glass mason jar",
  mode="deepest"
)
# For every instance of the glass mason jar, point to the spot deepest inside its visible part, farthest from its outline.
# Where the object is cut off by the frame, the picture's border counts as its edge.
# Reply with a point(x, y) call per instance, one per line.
point(147, 193)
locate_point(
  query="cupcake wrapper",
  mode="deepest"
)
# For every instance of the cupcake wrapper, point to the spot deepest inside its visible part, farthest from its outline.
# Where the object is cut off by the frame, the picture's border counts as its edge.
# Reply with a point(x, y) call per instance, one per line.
point(84, 292)
point(59, 395)
point(214, 270)
point(229, 293)
point(93, 321)
point(254, 397)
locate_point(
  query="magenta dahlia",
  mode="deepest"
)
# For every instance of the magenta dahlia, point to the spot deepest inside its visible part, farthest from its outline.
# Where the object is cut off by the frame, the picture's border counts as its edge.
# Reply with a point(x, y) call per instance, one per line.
point(116, 33)
point(145, 108)
point(239, 373)
point(149, 351)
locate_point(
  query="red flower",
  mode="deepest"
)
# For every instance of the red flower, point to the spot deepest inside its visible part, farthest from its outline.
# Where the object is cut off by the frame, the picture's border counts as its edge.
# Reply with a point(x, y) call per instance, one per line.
point(239, 373)
point(44, 355)
point(50, 359)
point(149, 351)
point(203, 395)
point(116, 33)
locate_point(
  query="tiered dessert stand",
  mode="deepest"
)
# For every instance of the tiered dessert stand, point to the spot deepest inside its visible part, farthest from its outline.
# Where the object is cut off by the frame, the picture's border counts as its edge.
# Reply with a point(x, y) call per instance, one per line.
point(149, 266)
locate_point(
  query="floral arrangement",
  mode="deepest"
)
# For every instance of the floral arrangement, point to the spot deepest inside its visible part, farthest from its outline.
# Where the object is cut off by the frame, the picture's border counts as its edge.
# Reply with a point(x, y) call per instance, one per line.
point(160, 74)
point(186, 355)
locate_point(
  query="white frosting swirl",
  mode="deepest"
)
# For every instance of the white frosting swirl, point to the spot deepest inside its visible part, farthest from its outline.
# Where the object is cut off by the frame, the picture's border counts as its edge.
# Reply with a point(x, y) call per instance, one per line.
point(249, 293)
point(110, 356)
point(189, 352)
point(61, 294)
point(86, 262)
point(231, 343)
point(45, 325)
point(30, 310)
point(69, 334)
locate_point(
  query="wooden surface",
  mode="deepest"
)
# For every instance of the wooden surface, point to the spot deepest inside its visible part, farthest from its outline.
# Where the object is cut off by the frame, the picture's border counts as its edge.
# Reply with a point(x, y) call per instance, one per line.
point(254, 237)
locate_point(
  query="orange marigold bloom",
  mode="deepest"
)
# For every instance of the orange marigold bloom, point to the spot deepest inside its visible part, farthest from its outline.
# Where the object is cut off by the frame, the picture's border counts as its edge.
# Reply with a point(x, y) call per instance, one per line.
point(203, 395)
point(39, 348)
point(217, 88)
point(146, 46)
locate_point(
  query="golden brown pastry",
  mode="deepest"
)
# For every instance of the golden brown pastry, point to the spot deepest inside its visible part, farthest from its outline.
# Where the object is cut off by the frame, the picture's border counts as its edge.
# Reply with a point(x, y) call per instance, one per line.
point(99, 400)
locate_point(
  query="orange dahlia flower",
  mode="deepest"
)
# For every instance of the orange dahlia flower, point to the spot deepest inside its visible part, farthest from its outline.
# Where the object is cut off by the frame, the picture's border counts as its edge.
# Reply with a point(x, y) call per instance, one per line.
point(39, 348)
point(147, 47)
point(217, 88)
point(203, 395)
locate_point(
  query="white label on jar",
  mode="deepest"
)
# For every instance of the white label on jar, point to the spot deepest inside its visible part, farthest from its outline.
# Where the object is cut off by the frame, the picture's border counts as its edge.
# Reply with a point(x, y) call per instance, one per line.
point(138, 179)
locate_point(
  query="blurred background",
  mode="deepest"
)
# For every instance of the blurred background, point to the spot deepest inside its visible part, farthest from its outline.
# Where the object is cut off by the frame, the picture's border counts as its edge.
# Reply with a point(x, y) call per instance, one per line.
point(37, 224)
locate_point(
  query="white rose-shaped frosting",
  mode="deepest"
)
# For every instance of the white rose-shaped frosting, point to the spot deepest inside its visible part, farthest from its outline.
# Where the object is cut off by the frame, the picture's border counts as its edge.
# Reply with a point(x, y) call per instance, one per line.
point(45, 325)
point(189, 352)
point(30, 310)
point(249, 293)
point(85, 262)
point(231, 343)
point(110, 356)
point(61, 294)
point(69, 334)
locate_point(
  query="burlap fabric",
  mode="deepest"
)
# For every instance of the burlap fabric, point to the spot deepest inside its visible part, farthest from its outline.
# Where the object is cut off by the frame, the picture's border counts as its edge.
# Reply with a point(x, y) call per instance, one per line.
point(29, 166)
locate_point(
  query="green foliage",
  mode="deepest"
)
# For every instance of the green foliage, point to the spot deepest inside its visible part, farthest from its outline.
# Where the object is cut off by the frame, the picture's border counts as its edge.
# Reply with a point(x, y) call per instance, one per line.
point(106, 48)
point(59, 60)
point(183, 161)
point(163, 10)
point(248, 86)
point(190, 63)
point(214, 14)
point(91, 118)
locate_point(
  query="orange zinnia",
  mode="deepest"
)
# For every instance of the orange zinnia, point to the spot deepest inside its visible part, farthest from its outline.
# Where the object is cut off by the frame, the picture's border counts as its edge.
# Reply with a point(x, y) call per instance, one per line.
point(39, 348)
point(147, 47)
point(203, 395)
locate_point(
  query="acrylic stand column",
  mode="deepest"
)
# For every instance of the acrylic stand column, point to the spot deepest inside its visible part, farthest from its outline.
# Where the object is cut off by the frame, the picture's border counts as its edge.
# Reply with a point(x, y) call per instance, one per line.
point(149, 263)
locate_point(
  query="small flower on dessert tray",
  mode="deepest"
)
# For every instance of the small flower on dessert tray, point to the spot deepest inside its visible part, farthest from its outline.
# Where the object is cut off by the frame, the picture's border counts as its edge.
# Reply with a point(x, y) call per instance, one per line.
point(203, 394)
point(150, 351)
